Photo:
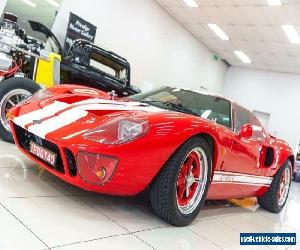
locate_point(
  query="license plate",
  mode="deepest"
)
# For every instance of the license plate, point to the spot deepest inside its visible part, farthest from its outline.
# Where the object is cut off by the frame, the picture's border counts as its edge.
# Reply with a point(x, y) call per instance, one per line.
point(42, 153)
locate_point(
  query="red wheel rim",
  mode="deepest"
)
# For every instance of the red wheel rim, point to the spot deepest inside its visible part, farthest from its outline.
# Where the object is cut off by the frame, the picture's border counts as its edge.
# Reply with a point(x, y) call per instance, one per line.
point(191, 180)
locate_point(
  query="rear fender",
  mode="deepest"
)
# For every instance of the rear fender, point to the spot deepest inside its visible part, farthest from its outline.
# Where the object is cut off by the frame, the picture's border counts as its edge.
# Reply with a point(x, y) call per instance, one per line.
point(283, 153)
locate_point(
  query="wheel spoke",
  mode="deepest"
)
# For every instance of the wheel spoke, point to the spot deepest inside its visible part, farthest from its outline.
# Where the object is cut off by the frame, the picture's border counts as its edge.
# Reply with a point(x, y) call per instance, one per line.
point(189, 162)
point(11, 103)
point(187, 190)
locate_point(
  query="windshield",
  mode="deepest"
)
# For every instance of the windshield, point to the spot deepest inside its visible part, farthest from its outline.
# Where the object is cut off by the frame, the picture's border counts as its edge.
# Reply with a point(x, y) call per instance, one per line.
point(208, 107)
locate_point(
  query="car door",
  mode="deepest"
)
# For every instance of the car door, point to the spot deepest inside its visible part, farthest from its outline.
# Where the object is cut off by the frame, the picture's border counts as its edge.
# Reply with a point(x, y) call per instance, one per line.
point(245, 152)
point(243, 174)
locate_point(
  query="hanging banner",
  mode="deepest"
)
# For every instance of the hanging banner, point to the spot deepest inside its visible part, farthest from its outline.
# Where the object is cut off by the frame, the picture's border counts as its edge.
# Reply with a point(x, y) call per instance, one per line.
point(79, 29)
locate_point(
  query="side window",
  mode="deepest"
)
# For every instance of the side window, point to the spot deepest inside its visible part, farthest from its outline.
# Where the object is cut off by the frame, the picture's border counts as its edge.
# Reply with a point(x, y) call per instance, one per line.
point(242, 117)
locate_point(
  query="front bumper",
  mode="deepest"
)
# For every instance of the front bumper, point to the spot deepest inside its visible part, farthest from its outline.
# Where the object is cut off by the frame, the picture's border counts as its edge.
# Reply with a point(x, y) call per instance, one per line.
point(66, 167)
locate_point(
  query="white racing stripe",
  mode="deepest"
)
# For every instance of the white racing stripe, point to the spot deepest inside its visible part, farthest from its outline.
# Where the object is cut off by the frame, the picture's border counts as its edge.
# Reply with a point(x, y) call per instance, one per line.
point(119, 107)
point(65, 118)
point(239, 178)
point(241, 183)
point(105, 101)
point(39, 114)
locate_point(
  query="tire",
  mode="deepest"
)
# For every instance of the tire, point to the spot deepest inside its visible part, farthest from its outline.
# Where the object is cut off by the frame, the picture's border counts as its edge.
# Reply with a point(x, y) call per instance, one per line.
point(16, 90)
point(166, 192)
point(271, 199)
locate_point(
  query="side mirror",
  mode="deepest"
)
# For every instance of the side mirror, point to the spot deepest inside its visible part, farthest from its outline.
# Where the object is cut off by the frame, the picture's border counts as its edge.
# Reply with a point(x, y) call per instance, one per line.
point(246, 131)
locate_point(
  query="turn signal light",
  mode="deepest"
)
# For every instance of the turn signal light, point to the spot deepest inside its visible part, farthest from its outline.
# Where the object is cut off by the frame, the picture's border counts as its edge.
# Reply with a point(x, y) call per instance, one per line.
point(95, 168)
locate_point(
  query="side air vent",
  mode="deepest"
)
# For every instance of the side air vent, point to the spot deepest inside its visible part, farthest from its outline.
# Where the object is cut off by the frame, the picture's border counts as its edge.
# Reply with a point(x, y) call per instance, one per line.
point(269, 157)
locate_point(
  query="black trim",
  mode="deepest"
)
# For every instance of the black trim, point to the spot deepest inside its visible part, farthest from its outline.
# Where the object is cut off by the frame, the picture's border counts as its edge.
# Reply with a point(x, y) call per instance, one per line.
point(71, 162)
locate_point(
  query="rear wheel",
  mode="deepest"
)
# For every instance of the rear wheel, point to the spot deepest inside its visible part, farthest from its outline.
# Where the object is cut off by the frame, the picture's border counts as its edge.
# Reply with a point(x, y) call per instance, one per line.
point(12, 92)
point(275, 199)
point(178, 192)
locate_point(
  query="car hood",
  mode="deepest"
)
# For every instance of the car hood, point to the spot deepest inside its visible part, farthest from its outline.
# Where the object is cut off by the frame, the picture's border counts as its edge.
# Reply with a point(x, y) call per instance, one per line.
point(69, 115)
point(65, 112)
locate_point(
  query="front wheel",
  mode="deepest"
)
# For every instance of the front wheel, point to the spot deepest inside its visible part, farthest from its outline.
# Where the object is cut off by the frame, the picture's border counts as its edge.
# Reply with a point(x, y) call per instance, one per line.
point(178, 192)
point(12, 92)
point(275, 198)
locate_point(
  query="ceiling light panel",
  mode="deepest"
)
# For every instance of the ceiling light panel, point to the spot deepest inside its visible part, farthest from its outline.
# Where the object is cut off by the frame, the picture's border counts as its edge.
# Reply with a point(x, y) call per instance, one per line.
point(30, 3)
point(53, 3)
point(242, 56)
point(218, 31)
point(291, 33)
point(191, 3)
point(274, 2)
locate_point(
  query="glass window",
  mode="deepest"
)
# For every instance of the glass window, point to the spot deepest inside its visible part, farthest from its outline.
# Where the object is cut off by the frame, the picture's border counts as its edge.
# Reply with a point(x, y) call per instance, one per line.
point(208, 107)
point(242, 117)
point(107, 65)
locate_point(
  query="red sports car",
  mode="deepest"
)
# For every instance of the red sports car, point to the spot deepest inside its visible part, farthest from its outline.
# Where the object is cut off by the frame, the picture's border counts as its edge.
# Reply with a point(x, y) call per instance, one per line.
point(184, 145)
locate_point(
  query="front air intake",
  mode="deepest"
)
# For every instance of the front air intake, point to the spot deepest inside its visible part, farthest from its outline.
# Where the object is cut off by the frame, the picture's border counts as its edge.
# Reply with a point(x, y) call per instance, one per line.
point(71, 162)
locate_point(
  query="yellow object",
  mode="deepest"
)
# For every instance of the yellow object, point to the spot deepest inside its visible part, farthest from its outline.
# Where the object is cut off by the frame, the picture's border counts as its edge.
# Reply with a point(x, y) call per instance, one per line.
point(47, 72)
point(249, 203)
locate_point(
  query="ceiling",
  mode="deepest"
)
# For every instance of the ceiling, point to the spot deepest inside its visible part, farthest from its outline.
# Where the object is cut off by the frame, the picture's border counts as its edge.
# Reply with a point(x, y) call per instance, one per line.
point(43, 13)
point(252, 26)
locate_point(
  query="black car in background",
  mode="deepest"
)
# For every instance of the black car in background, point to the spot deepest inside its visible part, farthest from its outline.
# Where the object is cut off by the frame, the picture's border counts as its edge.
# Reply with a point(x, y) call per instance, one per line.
point(88, 64)
point(97, 68)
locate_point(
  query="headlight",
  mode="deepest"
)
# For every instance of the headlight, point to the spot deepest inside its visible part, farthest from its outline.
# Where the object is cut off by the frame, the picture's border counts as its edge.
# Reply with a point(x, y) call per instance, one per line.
point(118, 131)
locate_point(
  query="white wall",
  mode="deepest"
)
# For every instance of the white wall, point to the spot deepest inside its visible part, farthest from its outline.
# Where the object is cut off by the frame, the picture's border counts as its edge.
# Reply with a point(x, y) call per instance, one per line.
point(2, 5)
point(274, 93)
point(159, 49)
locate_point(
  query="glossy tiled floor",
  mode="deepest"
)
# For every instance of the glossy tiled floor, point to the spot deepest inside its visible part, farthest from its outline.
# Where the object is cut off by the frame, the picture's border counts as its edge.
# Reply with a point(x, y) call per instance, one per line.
point(38, 211)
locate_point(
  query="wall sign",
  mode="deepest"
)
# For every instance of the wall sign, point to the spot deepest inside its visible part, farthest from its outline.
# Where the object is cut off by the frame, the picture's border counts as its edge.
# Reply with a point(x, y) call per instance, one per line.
point(79, 29)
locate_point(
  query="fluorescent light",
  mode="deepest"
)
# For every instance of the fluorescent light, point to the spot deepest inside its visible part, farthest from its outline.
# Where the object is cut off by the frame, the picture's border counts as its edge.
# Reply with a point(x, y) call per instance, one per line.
point(191, 3)
point(53, 2)
point(291, 33)
point(32, 4)
point(242, 56)
point(217, 30)
point(274, 2)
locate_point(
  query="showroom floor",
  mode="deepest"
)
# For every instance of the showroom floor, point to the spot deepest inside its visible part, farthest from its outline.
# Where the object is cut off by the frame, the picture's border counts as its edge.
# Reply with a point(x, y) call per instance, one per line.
point(39, 211)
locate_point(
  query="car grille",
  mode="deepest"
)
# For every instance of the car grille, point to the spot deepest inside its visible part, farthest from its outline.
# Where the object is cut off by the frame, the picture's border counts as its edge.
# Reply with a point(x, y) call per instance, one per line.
point(71, 162)
point(24, 137)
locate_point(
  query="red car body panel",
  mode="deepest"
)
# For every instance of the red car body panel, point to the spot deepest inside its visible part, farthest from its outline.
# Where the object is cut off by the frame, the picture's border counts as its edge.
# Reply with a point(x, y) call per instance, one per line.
point(238, 164)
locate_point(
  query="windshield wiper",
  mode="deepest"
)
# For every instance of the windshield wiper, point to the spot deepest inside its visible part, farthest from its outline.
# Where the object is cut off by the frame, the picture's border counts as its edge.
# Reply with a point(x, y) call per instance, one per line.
point(173, 106)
